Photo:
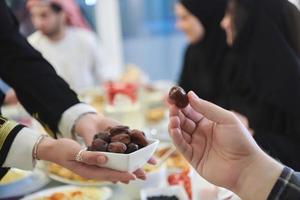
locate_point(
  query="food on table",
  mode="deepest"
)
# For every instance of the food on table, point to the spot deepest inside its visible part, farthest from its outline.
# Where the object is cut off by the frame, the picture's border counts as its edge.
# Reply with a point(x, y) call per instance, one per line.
point(99, 145)
point(163, 198)
point(12, 176)
point(119, 130)
point(119, 139)
point(117, 147)
point(76, 194)
point(149, 88)
point(181, 179)
point(138, 137)
point(155, 115)
point(151, 168)
point(124, 138)
point(66, 174)
point(104, 136)
point(176, 160)
point(179, 97)
point(115, 89)
point(132, 74)
point(97, 101)
point(132, 148)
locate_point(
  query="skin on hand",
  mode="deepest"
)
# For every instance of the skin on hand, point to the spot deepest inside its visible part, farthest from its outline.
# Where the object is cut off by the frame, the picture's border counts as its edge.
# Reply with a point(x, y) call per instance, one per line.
point(244, 121)
point(221, 149)
point(11, 98)
point(63, 152)
point(90, 124)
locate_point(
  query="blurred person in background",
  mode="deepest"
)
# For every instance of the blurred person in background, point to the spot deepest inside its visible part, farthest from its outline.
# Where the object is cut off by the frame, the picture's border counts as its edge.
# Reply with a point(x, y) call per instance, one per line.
point(200, 22)
point(19, 9)
point(64, 39)
point(262, 81)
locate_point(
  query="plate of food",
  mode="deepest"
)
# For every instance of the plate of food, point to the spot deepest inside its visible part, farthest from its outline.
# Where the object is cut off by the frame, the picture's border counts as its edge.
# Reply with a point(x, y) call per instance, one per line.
point(19, 183)
point(72, 192)
point(174, 161)
point(13, 176)
point(66, 176)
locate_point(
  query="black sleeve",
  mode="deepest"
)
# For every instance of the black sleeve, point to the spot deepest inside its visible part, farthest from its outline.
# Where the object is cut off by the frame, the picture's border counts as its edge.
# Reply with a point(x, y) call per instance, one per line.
point(185, 75)
point(287, 186)
point(279, 147)
point(40, 90)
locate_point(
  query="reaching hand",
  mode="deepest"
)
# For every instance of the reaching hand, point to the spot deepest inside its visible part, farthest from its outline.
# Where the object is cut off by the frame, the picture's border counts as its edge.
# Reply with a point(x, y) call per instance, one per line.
point(214, 141)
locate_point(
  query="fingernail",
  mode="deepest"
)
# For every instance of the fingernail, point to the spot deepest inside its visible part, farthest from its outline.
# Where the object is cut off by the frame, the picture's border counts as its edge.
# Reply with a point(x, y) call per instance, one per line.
point(193, 95)
point(101, 160)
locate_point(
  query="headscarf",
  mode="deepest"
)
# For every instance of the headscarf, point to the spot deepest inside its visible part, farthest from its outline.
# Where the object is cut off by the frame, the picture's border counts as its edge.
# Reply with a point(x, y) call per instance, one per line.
point(264, 82)
point(72, 10)
point(204, 59)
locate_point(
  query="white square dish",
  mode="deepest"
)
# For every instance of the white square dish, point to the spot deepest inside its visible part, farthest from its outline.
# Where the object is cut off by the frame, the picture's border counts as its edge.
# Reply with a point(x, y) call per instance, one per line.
point(133, 161)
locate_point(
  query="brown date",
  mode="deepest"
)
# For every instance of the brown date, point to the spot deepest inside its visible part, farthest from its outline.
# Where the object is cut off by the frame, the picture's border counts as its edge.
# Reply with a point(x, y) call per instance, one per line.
point(124, 138)
point(99, 145)
point(119, 130)
point(132, 148)
point(104, 136)
point(116, 147)
point(137, 131)
point(179, 97)
point(138, 138)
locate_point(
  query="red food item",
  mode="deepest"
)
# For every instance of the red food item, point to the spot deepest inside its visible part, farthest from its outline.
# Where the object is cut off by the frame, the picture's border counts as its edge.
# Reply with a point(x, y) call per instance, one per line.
point(182, 179)
point(128, 89)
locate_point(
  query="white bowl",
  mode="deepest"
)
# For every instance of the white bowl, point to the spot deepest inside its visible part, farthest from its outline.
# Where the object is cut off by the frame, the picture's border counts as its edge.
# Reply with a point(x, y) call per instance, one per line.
point(177, 191)
point(133, 161)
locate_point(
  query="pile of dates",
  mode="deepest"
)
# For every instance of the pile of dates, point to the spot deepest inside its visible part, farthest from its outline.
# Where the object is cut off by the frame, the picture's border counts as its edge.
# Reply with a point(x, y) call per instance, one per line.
point(119, 139)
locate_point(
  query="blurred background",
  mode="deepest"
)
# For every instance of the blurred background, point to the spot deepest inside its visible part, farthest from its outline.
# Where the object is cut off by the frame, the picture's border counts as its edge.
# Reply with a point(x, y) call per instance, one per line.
point(141, 55)
point(139, 32)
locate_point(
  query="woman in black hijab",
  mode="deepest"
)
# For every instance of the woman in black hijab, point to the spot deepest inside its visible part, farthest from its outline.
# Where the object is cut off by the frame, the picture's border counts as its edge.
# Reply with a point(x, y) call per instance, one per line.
point(200, 20)
point(264, 81)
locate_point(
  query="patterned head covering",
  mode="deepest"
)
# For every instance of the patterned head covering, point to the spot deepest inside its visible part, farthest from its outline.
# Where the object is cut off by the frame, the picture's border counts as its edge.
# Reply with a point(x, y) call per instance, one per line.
point(74, 16)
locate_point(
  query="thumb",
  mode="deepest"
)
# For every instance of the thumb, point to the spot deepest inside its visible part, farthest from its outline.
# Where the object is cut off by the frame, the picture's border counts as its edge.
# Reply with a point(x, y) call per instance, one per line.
point(93, 158)
point(210, 110)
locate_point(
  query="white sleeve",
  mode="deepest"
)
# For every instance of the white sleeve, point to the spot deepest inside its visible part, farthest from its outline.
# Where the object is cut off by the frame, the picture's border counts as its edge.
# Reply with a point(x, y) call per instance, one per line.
point(103, 67)
point(70, 116)
point(20, 152)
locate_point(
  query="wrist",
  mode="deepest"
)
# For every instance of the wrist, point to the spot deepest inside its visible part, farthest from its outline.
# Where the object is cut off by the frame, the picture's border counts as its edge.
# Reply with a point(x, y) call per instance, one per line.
point(45, 149)
point(87, 124)
point(258, 178)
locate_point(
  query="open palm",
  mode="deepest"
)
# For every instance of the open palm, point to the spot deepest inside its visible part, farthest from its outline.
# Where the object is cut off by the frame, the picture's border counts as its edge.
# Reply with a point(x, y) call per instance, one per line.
point(213, 140)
